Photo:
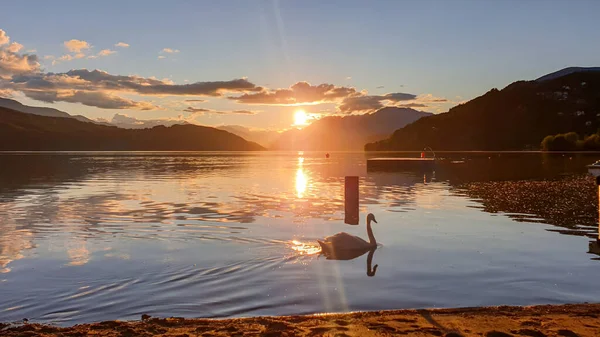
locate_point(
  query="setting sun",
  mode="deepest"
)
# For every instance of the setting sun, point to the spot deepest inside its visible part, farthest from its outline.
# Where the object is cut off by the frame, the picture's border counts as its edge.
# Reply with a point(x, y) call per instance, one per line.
point(300, 117)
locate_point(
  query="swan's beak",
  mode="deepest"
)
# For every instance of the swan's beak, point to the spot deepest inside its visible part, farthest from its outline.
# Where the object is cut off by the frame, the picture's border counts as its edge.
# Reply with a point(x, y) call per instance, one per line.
point(375, 221)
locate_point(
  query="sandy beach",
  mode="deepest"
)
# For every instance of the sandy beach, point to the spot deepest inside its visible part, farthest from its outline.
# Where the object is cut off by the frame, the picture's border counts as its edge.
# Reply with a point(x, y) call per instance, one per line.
point(536, 321)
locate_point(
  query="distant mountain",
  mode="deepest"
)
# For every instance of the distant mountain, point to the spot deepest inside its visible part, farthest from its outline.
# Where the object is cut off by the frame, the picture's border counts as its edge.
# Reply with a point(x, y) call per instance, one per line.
point(40, 111)
point(515, 118)
point(127, 122)
point(262, 137)
point(26, 131)
point(347, 132)
point(566, 71)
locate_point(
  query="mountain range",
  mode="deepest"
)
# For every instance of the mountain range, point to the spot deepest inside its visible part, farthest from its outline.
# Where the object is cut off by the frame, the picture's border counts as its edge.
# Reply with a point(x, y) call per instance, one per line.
point(32, 132)
point(260, 136)
point(347, 132)
point(517, 117)
point(40, 111)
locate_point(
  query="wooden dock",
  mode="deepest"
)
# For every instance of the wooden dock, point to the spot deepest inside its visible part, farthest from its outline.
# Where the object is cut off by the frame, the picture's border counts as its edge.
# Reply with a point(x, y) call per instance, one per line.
point(400, 164)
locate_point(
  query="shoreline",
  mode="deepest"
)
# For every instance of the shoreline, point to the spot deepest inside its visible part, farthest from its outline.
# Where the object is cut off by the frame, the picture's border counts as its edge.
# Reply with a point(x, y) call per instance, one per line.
point(567, 320)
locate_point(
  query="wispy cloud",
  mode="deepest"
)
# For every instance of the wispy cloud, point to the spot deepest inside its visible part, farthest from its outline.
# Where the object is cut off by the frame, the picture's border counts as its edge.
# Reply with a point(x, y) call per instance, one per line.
point(170, 51)
point(413, 105)
point(196, 100)
point(160, 57)
point(122, 45)
point(201, 111)
point(106, 52)
point(91, 98)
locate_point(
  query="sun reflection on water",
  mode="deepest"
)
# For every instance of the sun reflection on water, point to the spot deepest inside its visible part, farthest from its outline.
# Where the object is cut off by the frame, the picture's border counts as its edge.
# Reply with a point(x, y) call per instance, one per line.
point(305, 249)
point(301, 179)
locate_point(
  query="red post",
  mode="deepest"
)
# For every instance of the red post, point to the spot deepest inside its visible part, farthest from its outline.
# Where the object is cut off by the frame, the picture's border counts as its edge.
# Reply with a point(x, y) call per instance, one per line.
point(351, 216)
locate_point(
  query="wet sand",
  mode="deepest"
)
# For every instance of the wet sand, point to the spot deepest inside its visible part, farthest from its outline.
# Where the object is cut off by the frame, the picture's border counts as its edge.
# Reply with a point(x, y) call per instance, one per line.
point(536, 321)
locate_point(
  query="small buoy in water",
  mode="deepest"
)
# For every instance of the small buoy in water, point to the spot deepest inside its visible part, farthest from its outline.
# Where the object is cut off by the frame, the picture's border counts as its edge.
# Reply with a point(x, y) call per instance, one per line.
point(327, 155)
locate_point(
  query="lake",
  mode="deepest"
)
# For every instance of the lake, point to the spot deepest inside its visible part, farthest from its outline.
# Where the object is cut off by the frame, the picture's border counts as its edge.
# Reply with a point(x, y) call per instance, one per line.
point(100, 236)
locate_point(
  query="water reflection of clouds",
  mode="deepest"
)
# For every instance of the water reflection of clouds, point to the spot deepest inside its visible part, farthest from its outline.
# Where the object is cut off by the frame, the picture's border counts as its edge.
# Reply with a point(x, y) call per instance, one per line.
point(13, 243)
point(200, 197)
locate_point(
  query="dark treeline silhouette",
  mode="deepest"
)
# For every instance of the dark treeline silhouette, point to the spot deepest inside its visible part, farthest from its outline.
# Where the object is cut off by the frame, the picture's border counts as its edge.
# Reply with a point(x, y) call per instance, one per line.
point(517, 117)
point(571, 142)
point(28, 132)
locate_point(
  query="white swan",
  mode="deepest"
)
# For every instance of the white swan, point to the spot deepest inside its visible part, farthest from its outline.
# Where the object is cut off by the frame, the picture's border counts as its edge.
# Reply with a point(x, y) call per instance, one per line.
point(345, 244)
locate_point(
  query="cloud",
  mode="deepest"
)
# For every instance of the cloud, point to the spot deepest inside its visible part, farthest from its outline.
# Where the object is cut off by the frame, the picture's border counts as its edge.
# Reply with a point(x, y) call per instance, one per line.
point(4, 39)
point(13, 63)
point(368, 103)
point(100, 80)
point(90, 98)
point(32, 50)
point(76, 46)
point(380, 87)
point(429, 98)
point(128, 122)
point(349, 78)
point(301, 92)
point(63, 58)
point(170, 51)
point(196, 100)
point(14, 47)
point(122, 45)
point(6, 93)
point(160, 57)
point(194, 110)
point(412, 105)
point(361, 103)
point(239, 112)
point(49, 57)
point(92, 87)
point(106, 52)
point(201, 111)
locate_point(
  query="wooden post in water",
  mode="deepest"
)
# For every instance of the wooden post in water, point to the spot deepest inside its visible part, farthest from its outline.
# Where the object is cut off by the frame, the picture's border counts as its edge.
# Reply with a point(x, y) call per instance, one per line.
point(351, 200)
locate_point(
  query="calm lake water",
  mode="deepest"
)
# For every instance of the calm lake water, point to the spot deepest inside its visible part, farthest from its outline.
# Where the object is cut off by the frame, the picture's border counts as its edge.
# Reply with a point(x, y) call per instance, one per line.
point(99, 236)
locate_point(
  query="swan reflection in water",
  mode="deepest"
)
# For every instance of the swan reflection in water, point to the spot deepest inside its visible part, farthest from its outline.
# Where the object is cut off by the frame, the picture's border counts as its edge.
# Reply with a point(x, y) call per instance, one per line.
point(350, 255)
point(307, 249)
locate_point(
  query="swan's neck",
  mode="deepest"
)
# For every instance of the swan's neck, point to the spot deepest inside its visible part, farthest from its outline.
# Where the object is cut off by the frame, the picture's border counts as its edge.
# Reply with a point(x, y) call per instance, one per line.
point(370, 233)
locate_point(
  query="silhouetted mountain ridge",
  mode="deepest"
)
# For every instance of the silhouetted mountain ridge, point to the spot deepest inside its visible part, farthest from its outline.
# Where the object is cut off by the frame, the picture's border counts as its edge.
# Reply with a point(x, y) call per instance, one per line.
point(515, 118)
point(40, 111)
point(31, 132)
point(566, 71)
